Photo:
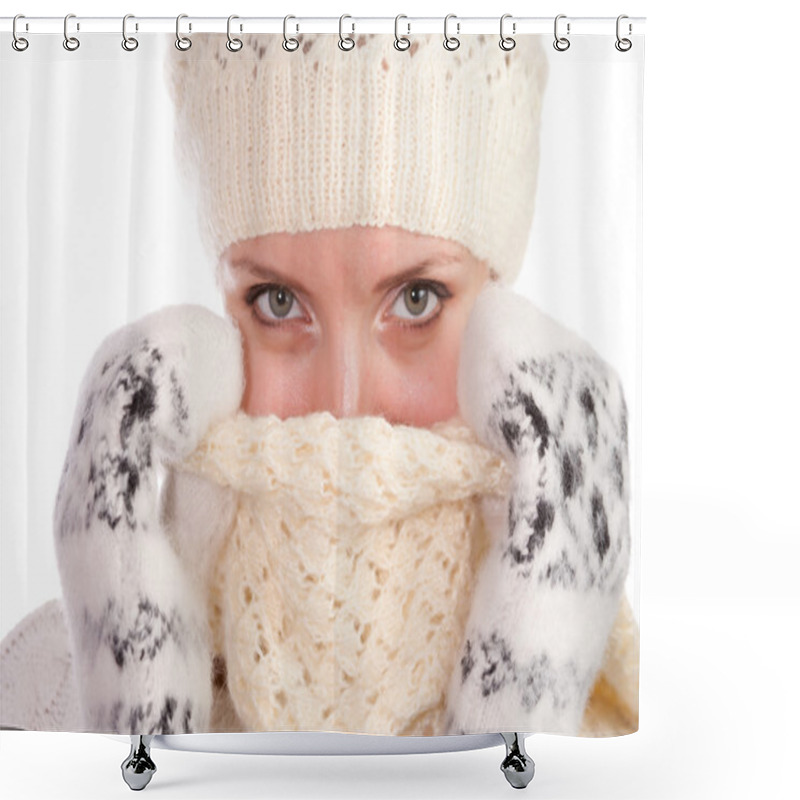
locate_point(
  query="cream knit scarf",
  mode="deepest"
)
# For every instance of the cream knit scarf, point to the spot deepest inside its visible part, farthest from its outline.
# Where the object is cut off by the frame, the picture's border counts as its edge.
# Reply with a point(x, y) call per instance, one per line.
point(340, 594)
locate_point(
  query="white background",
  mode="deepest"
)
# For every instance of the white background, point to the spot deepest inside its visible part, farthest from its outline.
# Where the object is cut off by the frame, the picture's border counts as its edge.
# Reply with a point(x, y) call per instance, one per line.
point(719, 593)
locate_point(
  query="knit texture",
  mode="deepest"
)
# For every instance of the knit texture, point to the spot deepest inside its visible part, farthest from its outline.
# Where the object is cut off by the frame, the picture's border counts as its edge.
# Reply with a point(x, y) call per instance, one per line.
point(436, 142)
point(37, 679)
point(134, 613)
point(138, 577)
point(613, 706)
point(321, 607)
point(550, 588)
point(341, 595)
point(39, 690)
point(341, 592)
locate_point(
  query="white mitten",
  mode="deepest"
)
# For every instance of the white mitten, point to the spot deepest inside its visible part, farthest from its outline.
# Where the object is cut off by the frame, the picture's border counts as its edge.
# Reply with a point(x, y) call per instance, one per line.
point(549, 589)
point(136, 613)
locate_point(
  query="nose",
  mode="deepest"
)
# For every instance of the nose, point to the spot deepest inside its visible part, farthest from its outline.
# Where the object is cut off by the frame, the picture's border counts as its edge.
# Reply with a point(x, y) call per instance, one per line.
point(342, 373)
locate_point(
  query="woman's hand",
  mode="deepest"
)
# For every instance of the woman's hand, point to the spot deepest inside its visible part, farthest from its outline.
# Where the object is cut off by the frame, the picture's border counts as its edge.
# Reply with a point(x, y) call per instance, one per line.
point(136, 614)
point(548, 592)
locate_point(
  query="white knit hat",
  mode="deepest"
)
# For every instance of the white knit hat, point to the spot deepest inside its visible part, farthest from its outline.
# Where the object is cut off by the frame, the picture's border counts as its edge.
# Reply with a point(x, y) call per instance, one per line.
point(443, 143)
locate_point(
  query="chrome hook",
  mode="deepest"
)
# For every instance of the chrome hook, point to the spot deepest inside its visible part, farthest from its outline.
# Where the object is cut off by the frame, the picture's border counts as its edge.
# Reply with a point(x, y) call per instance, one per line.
point(289, 44)
point(182, 42)
point(129, 43)
point(623, 45)
point(561, 43)
point(234, 45)
point(401, 42)
point(346, 42)
point(70, 42)
point(19, 43)
point(451, 42)
point(506, 42)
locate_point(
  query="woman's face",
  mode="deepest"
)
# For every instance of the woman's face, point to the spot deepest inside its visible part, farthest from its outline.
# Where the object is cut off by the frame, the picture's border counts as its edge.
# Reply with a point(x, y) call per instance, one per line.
point(355, 321)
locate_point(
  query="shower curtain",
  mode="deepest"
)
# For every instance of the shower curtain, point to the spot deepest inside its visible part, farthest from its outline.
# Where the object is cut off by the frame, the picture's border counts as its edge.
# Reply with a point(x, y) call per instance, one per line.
point(320, 369)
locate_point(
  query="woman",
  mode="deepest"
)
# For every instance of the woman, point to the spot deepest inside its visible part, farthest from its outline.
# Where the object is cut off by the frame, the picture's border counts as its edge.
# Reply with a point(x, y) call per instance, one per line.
point(394, 492)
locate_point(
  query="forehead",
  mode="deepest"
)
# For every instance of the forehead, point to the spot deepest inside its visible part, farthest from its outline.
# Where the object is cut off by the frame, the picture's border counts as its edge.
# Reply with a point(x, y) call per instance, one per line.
point(358, 256)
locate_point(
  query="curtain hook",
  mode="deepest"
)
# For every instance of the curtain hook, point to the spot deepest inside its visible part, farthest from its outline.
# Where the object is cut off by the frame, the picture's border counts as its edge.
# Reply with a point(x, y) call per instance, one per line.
point(18, 42)
point(234, 45)
point(623, 45)
point(346, 42)
point(182, 42)
point(561, 43)
point(506, 42)
point(289, 44)
point(129, 43)
point(401, 42)
point(70, 42)
point(451, 42)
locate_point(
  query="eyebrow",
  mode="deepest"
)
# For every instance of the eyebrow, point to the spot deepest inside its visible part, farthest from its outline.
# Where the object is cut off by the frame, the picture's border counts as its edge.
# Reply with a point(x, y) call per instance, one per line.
point(440, 259)
point(268, 272)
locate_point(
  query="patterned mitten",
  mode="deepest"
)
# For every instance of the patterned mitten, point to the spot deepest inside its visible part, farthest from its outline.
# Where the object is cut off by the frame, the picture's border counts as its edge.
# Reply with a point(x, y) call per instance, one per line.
point(136, 613)
point(548, 592)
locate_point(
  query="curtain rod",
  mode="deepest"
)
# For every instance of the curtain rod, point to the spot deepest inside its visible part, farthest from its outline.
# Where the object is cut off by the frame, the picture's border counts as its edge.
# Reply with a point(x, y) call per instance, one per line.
point(300, 24)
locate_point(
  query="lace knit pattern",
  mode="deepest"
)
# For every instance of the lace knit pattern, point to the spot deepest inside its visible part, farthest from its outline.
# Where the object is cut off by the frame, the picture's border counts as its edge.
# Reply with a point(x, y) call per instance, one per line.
point(341, 595)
